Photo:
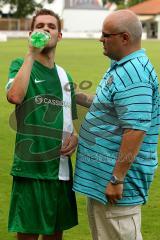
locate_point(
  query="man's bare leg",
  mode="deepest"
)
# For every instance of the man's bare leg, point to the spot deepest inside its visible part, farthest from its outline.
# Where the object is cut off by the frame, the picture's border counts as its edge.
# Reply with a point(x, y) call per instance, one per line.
point(56, 236)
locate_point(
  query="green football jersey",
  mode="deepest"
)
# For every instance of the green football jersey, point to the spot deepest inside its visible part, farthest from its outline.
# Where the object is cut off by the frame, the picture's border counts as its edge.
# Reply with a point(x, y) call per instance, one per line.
point(40, 122)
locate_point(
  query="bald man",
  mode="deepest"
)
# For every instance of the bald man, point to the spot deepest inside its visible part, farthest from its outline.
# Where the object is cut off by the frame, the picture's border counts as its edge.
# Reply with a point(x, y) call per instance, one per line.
point(116, 156)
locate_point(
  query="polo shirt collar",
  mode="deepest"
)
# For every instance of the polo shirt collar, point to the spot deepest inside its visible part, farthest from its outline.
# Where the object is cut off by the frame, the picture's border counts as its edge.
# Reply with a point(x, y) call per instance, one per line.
point(138, 53)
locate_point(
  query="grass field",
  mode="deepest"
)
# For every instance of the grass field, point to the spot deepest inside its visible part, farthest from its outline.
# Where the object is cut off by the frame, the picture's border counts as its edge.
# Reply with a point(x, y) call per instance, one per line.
point(85, 61)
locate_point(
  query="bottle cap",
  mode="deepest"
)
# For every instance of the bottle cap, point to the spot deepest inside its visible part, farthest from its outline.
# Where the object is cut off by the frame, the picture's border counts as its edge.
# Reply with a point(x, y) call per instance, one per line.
point(39, 39)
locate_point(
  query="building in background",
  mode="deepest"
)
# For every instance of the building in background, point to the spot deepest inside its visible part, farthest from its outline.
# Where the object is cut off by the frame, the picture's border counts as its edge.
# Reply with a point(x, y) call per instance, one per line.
point(80, 18)
point(83, 18)
point(83, 3)
point(149, 14)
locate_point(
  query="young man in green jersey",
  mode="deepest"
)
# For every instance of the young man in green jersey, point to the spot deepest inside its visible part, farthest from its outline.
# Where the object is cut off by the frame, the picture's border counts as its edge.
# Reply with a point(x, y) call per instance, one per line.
point(42, 201)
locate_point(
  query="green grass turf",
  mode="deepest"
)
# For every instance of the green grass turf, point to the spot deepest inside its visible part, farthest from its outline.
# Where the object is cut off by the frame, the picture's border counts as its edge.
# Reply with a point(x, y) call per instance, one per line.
point(85, 61)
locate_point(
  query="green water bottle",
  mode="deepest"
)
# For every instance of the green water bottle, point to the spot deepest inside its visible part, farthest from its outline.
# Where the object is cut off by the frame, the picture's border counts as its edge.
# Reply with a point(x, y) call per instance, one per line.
point(39, 39)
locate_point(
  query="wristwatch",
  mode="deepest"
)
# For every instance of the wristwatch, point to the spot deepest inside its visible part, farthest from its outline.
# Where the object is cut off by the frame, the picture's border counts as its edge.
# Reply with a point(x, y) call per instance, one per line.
point(114, 180)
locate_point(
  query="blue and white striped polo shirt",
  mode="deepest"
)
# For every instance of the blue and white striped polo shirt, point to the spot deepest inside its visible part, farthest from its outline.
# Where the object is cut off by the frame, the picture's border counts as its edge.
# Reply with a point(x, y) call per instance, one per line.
point(127, 97)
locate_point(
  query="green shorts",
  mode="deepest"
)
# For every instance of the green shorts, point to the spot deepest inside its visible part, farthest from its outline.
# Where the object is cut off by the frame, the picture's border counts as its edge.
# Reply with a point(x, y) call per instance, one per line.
point(41, 206)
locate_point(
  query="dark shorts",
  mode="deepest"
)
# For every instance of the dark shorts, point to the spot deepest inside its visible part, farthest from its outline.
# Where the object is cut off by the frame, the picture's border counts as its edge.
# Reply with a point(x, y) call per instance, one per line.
point(41, 206)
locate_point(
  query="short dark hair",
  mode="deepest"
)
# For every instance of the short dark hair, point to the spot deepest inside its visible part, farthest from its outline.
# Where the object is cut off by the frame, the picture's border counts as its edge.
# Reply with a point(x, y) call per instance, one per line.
point(46, 12)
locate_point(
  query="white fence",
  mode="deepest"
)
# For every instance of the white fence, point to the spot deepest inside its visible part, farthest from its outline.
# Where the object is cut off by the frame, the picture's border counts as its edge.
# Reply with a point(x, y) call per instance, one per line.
point(25, 34)
point(4, 35)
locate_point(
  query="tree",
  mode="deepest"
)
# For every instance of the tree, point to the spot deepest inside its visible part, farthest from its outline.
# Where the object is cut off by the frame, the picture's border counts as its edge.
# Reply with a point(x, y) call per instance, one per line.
point(128, 3)
point(23, 7)
point(134, 2)
point(118, 2)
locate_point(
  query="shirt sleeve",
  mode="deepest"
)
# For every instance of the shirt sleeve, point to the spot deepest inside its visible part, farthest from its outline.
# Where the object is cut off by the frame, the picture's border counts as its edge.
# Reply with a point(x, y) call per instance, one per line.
point(74, 108)
point(13, 69)
point(134, 106)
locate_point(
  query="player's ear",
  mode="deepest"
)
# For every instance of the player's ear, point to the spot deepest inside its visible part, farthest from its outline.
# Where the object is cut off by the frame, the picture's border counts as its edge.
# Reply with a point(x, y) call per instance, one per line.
point(59, 36)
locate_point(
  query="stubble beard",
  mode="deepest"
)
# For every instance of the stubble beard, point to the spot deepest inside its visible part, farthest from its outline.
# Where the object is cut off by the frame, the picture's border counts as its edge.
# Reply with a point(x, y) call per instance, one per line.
point(48, 49)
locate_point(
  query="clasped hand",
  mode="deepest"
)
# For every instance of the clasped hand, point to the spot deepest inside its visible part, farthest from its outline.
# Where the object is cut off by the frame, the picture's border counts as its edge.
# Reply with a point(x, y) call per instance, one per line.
point(69, 144)
point(114, 192)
